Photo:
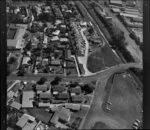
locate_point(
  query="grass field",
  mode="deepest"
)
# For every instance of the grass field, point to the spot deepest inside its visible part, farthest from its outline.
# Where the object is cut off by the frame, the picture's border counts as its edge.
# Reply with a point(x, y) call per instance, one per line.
point(125, 101)
point(102, 58)
point(100, 125)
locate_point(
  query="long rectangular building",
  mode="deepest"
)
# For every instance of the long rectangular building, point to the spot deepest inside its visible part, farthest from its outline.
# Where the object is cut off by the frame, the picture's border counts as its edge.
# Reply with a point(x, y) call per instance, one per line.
point(15, 35)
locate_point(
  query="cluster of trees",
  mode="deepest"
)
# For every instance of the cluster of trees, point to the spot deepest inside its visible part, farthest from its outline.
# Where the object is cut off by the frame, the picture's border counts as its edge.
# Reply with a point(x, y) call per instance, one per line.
point(56, 80)
point(10, 64)
point(45, 17)
point(42, 80)
point(87, 88)
point(117, 39)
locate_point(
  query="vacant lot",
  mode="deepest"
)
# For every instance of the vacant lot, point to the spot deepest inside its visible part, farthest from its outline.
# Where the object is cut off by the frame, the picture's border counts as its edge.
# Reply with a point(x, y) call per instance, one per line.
point(124, 99)
point(125, 107)
point(102, 58)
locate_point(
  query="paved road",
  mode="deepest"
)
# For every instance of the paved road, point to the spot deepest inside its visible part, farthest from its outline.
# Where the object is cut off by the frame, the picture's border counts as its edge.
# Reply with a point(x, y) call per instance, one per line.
point(92, 77)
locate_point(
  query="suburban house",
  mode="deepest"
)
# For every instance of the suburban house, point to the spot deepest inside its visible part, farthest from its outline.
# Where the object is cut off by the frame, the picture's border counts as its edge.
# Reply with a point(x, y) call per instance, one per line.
point(27, 99)
point(26, 122)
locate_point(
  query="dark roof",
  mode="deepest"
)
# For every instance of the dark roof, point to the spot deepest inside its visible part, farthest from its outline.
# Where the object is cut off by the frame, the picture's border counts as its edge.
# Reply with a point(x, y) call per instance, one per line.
point(77, 98)
point(76, 90)
point(63, 96)
point(45, 95)
point(59, 88)
point(43, 87)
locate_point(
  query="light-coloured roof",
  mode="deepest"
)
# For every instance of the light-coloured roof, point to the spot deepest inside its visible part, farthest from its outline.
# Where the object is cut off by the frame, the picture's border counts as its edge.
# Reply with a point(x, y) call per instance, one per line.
point(10, 94)
point(29, 126)
point(64, 114)
point(116, 9)
point(31, 118)
point(17, 42)
point(55, 38)
point(22, 121)
point(25, 60)
point(41, 104)
point(72, 106)
point(64, 39)
point(16, 105)
point(116, 2)
point(56, 32)
point(27, 99)
point(129, 15)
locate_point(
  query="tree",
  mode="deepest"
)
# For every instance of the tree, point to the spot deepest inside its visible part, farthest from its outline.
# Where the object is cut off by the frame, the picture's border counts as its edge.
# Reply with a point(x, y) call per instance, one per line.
point(9, 69)
point(88, 88)
point(56, 80)
point(28, 46)
point(12, 60)
point(42, 80)
point(21, 71)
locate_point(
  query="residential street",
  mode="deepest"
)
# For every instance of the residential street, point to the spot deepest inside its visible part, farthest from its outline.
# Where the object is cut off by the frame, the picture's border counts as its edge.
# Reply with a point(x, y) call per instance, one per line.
point(92, 77)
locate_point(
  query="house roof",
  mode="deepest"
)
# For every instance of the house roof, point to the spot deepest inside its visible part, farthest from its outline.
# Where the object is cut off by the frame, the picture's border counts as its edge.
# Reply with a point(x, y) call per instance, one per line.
point(59, 88)
point(41, 104)
point(61, 113)
point(22, 121)
point(16, 41)
point(43, 87)
point(64, 40)
point(63, 96)
point(56, 62)
point(116, 2)
point(16, 105)
point(56, 32)
point(27, 99)
point(64, 114)
point(73, 106)
point(24, 124)
point(55, 38)
point(76, 90)
point(77, 98)
point(25, 60)
point(45, 95)
point(29, 126)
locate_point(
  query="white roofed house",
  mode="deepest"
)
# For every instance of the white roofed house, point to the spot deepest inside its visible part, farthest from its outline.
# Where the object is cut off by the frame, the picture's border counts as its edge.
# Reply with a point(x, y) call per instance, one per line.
point(116, 2)
point(25, 60)
point(64, 40)
point(57, 32)
point(27, 99)
point(16, 105)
